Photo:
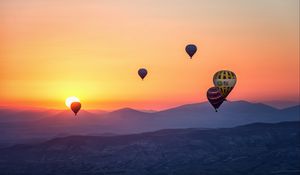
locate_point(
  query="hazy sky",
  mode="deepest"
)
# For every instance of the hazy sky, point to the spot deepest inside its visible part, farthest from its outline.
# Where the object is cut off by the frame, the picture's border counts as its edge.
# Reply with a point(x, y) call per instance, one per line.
point(92, 49)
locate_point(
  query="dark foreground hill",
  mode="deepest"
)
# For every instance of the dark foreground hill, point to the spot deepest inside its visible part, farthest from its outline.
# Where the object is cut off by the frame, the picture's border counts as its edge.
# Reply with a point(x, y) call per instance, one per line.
point(250, 149)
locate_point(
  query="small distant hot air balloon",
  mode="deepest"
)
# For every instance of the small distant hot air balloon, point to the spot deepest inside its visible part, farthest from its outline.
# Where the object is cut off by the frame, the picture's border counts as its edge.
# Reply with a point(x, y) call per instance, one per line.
point(142, 73)
point(191, 49)
point(75, 106)
point(215, 97)
point(225, 80)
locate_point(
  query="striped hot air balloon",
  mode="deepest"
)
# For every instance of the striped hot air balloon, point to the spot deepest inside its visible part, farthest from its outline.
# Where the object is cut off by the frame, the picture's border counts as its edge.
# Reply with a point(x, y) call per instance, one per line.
point(215, 97)
point(225, 80)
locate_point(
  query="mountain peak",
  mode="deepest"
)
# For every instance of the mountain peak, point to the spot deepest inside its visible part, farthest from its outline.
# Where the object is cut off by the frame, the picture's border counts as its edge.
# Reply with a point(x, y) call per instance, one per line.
point(126, 110)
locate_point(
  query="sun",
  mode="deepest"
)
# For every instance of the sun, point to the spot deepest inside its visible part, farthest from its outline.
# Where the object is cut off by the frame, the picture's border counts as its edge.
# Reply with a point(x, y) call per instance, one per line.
point(70, 100)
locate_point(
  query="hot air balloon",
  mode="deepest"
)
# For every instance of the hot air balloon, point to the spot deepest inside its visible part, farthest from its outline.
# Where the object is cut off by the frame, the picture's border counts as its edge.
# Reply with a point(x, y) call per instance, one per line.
point(142, 73)
point(225, 80)
point(215, 97)
point(191, 49)
point(75, 106)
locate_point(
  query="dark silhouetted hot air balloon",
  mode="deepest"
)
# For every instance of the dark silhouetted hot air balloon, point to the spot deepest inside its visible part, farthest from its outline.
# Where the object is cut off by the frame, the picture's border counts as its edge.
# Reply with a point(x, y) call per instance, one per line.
point(215, 97)
point(191, 49)
point(225, 80)
point(75, 106)
point(142, 73)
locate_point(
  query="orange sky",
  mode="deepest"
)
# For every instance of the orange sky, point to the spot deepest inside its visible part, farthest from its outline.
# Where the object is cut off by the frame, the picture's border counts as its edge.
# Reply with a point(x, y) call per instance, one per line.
point(52, 49)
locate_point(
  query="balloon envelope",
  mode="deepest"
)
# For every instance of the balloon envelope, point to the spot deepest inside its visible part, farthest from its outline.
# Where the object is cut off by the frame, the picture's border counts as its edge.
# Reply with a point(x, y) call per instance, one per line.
point(142, 73)
point(75, 106)
point(225, 80)
point(215, 97)
point(191, 49)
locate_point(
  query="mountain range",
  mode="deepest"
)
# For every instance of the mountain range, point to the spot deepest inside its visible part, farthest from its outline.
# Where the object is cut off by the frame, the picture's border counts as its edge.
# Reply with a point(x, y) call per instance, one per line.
point(39, 125)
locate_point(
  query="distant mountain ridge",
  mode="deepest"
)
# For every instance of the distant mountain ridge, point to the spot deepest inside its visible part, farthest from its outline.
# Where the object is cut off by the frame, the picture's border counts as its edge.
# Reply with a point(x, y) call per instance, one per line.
point(4, 112)
point(254, 149)
point(44, 125)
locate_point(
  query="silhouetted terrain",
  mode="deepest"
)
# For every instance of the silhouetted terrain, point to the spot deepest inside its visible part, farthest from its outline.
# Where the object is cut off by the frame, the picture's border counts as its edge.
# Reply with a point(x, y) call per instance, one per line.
point(36, 126)
point(251, 149)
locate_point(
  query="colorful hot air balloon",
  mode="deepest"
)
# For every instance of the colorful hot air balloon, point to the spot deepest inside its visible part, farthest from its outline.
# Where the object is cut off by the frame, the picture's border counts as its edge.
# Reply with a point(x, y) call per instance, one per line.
point(215, 97)
point(75, 106)
point(225, 80)
point(142, 73)
point(191, 49)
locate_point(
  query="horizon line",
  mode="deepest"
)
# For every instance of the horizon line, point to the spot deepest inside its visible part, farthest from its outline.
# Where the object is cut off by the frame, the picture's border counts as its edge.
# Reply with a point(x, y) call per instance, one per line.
point(24, 108)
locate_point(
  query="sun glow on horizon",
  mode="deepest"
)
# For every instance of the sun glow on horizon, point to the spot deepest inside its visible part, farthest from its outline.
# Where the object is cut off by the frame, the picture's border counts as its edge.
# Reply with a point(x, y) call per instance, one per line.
point(70, 100)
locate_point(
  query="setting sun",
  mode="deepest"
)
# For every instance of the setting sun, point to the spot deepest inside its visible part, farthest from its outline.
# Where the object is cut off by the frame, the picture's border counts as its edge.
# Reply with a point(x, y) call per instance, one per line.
point(70, 100)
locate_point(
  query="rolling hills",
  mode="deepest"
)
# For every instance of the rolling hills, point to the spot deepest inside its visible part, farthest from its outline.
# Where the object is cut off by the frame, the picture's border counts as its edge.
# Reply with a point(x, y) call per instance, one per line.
point(255, 149)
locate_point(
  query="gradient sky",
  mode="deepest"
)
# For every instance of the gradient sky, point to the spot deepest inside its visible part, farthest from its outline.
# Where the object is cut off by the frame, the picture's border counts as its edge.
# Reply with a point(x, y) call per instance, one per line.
point(52, 49)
